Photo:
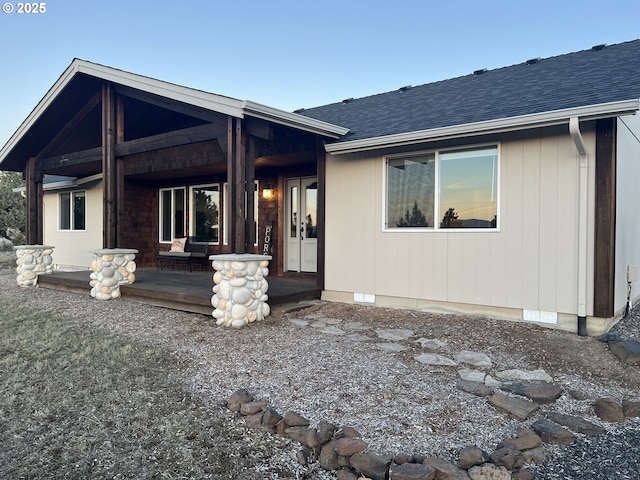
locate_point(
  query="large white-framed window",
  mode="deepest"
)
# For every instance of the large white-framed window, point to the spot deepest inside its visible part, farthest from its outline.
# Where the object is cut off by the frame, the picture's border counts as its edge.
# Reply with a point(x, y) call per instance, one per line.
point(443, 189)
point(172, 214)
point(205, 212)
point(72, 210)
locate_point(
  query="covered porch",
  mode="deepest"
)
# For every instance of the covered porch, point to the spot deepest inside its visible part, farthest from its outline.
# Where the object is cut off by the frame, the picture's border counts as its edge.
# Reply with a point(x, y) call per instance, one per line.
point(189, 292)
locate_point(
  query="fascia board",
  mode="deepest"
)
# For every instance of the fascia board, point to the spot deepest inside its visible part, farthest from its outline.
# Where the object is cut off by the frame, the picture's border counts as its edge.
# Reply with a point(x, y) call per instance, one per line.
point(294, 120)
point(544, 119)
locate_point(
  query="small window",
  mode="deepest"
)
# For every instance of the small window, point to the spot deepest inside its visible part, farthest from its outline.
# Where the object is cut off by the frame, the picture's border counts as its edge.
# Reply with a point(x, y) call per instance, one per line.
point(172, 214)
point(443, 190)
point(72, 211)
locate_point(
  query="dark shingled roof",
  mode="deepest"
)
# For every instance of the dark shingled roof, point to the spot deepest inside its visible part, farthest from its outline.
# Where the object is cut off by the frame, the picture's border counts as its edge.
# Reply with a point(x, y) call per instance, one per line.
point(601, 74)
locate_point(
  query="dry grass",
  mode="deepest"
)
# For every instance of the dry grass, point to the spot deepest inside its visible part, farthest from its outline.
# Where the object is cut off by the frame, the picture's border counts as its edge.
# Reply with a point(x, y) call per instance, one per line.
point(81, 404)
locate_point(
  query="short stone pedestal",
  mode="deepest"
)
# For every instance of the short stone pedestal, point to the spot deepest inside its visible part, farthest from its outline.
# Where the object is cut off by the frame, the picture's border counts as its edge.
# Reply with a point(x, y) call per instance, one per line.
point(111, 268)
point(32, 260)
point(240, 287)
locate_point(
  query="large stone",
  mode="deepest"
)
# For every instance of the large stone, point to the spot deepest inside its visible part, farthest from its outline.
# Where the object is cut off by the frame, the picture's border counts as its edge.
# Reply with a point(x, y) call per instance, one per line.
point(477, 359)
point(238, 398)
point(348, 446)
point(552, 433)
point(474, 388)
point(394, 334)
point(252, 408)
point(631, 409)
point(446, 470)
point(472, 375)
point(470, 456)
point(411, 471)
point(576, 424)
point(372, 466)
point(346, 474)
point(539, 392)
point(434, 359)
point(627, 350)
point(305, 435)
point(325, 431)
point(517, 374)
point(328, 457)
point(431, 343)
point(525, 439)
point(535, 456)
point(489, 471)
point(507, 457)
point(518, 407)
point(609, 410)
point(294, 419)
point(271, 419)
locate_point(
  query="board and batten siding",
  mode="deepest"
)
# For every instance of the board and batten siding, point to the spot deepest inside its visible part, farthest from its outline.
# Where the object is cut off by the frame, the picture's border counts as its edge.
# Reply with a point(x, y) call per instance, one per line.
point(72, 248)
point(627, 220)
point(530, 263)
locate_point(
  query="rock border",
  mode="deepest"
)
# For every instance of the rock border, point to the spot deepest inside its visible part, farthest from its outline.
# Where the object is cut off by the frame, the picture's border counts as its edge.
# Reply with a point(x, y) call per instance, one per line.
point(341, 449)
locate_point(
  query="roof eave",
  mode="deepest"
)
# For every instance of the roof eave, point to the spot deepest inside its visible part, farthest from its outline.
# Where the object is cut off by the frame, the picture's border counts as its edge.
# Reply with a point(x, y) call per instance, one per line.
point(543, 119)
point(294, 120)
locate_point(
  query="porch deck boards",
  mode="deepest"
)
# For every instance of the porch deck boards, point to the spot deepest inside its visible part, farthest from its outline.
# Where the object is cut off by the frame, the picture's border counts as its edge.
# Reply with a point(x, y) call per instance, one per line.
point(189, 292)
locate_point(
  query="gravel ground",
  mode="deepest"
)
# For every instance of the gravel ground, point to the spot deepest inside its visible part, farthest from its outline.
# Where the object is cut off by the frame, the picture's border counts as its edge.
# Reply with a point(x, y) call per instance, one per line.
point(397, 404)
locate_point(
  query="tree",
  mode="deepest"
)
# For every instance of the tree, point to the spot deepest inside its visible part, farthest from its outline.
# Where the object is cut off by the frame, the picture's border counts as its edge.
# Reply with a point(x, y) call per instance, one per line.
point(450, 219)
point(414, 219)
point(12, 205)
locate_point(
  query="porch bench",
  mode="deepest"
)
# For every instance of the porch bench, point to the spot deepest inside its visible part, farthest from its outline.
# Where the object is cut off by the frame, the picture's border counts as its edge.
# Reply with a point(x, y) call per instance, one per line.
point(195, 252)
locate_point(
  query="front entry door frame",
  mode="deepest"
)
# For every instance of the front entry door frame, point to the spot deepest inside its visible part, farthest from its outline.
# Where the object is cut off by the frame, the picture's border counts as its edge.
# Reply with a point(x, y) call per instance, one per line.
point(301, 229)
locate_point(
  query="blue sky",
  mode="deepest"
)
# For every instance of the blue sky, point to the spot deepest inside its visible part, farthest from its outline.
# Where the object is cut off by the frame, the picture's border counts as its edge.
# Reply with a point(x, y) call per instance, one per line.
point(292, 54)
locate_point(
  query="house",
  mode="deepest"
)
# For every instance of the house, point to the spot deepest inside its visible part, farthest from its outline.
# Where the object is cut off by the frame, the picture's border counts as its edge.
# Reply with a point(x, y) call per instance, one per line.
point(509, 193)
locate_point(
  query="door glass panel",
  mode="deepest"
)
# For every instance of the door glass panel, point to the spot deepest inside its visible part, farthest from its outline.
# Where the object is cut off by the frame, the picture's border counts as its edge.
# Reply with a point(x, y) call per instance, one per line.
point(205, 202)
point(293, 195)
point(311, 207)
point(178, 204)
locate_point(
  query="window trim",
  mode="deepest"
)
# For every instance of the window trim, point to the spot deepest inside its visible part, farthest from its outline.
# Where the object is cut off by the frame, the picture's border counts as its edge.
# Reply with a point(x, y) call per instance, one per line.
point(71, 212)
point(161, 212)
point(436, 204)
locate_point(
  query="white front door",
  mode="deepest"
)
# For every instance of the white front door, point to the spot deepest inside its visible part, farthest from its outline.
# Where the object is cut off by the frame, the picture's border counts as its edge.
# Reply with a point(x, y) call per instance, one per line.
point(301, 229)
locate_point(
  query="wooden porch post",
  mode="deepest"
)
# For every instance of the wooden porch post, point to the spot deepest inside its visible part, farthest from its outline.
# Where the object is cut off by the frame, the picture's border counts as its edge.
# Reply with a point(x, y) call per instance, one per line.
point(237, 181)
point(109, 169)
point(321, 165)
point(35, 234)
point(120, 212)
point(250, 177)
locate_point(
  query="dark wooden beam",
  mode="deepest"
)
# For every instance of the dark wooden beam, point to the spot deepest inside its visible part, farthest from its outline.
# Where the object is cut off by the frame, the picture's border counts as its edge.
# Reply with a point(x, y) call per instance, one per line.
point(169, 104)
point(239, 199)
point(250, 177)
point(231, 181)
point(51, 164)
point(70, 126)
point(109, 168)
point(176, 138)
point(321, 166)
point(605, 218)
point(34, 205)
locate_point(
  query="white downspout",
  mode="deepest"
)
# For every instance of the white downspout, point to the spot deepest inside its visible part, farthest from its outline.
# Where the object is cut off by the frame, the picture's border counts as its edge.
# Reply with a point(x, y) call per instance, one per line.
point(583, 220)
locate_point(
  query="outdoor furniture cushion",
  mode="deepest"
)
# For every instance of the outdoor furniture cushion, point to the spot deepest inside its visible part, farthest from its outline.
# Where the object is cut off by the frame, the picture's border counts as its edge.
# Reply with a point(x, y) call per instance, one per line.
point(178, 244)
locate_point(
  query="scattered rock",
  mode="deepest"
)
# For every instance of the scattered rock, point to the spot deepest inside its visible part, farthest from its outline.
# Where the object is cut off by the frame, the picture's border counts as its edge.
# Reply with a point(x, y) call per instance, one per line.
point(507, 457)
point(270, 419)
point(446, 470)
point(609, 410)
point(525, 439)
point(391, 347)
point(522, 475)
point(552, 433)
point(348, 446)
point(328, 458)
point(254, 421)
point(302, 458)
point(356, 326)
point(489, 471)
point(535, 456)
point(238, 398)
point(516, 374)
point(331, 330)
point(345, 474)
point(411, 471)
point(474, 388)
point(434, 359)
point(472, 375)
point(394, 334)
point(252, 408)
point(576, 395)
point(305, 435)
point(401, 458)
point(539, 392)
point(518, 407)
point(325, 431)
point(627, 350)
point(631, 409)
point(431, 343)
point(476, 359)
point(294, 419)
point(372, 466)
point(357, 337)
point(610, 337)
point(576, 424)
point(299, 322)
point(489, 381)
point(471, 456)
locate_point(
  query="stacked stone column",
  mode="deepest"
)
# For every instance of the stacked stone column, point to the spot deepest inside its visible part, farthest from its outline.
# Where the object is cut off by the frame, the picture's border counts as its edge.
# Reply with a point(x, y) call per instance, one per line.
point(32, 260)
point(240, 287)
point(111, 268)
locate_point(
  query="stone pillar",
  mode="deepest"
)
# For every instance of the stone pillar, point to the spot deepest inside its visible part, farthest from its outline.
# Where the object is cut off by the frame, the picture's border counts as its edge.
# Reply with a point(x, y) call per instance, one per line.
point(32, 260)
point(240, 287)
point(110, 268)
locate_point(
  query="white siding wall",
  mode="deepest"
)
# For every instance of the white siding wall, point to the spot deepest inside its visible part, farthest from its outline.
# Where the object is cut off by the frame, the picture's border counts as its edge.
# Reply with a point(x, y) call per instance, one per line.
point(627, 203)
point(72, 248)
point(531, 263)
